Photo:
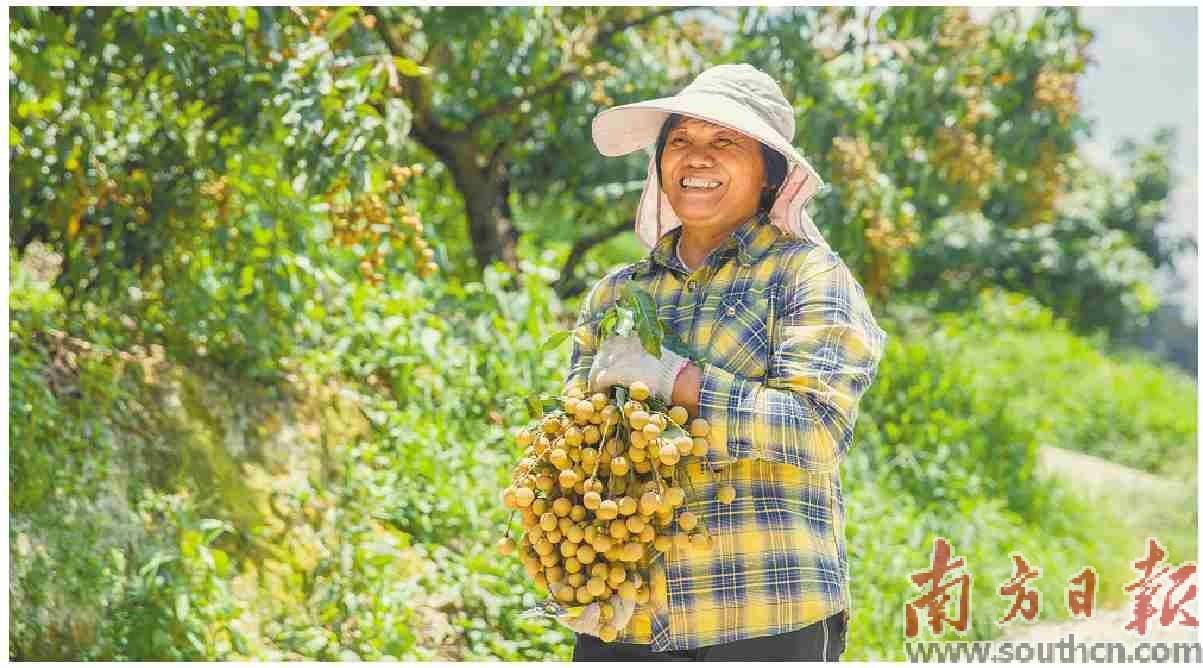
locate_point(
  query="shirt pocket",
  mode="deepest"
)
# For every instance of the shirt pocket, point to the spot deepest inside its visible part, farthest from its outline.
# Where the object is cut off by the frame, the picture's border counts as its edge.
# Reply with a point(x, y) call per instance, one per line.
point(740, 340)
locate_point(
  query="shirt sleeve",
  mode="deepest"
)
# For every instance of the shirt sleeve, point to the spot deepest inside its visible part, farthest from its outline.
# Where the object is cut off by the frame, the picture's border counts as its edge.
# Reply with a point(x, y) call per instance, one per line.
point(826, 357)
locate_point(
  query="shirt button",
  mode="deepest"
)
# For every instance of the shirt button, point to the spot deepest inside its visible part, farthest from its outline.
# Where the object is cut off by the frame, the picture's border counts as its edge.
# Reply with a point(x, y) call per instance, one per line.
point(691, 284)
point(731, 310)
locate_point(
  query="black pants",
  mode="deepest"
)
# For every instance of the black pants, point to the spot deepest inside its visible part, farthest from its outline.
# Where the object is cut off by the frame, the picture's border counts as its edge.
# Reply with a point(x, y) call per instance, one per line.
point(805, 644)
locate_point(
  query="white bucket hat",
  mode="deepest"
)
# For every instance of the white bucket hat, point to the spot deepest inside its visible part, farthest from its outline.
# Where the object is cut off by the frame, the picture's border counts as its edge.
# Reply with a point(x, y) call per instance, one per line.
point(739, 97)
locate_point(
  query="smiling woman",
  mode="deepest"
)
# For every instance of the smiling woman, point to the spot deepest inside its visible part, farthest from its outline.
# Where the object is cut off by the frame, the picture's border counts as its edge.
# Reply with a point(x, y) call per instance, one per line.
point(778, 346)
point(718, 177)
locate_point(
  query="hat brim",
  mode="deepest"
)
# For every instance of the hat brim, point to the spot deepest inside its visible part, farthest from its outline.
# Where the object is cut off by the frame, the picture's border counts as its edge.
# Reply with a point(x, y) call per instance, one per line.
point(630, 127)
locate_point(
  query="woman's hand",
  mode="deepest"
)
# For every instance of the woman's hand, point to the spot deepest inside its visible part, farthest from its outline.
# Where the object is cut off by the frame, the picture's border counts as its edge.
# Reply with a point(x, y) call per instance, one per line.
point(589, 620)
point(621, 360)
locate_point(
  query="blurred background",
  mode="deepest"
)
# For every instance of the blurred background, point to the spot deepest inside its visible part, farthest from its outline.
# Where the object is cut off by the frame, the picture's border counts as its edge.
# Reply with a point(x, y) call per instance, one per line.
point(280, 278)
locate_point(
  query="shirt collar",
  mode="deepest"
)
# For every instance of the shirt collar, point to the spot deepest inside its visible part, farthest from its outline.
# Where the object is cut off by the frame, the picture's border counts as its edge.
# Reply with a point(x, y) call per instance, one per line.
point(749, 241)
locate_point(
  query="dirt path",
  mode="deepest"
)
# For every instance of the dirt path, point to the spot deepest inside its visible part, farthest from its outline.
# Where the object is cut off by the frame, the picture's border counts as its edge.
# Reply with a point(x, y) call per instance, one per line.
point(1094, 477)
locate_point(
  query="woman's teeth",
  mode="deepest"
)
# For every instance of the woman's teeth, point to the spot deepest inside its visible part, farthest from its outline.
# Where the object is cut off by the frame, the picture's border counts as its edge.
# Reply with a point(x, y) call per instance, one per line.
point(699, 183)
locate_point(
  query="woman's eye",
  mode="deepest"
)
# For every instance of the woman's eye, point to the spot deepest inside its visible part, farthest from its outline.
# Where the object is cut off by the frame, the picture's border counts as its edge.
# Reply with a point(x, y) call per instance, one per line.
point(723, 141)
point(676, 140)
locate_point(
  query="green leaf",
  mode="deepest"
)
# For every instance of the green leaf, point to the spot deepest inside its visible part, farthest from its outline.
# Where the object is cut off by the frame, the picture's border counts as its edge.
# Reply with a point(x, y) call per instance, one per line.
point(554, 340)
point(251, 17)
point(409, 68)
point(534, 406)
point(341, 22)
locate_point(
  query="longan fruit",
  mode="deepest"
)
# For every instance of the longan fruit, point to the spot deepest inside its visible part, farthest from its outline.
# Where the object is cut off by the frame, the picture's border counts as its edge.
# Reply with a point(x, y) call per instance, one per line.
point(636, 455)
point(547, 521)
point(600, 401)
point(583, 596)
point(602, 543)
point(632, 552)
point(618, 529)
point(554, 536)
point(607, 510)
point(687, 520)
point(699, 427)
point(585, 554)
point(599, 570)
point(567, 548)
point(643, 467)
point(572, 564)
point(607, 633)
point(568, 478)
point(616, 576)
point(540, 580)
point(592, 500)
point(726, 494)
point(506, 546)
point(543, 547)
point(663, 543)
point(678, 415)
point(563, 523)
point(549, 560)
point(574, 436)
point(566, 593)
point(561, 506)
point(524, 437)
point(576, 579)
point(551, 425)
point(701, 446)
point(648, 534)
point(674, 496)
point(532, 569)
point(596, 485)
point(524, 496)
point(669, 454)
point(640, 391)
point(579, 487)
point(588, 457)
point(596, 586)
point(649, 503)
point(606, 612)
point(555, 574)
point(508, 498)
point(545, 483)
point(667, 471)
point(577, 513)
point(651, 430)
point(635, 524)
point(639, 419)
point(627, 505)
point(653, 449)
point(539, 506)
point(619, 466)
point(592, 434)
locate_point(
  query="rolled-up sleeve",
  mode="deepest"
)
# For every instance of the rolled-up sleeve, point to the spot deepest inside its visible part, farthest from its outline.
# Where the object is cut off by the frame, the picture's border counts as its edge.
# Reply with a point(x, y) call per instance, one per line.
point(828, 347)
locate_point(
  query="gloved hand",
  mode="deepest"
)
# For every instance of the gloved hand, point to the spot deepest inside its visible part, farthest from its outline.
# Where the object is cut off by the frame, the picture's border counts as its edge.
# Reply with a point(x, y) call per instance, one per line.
point(621, 360)
point(589, 619)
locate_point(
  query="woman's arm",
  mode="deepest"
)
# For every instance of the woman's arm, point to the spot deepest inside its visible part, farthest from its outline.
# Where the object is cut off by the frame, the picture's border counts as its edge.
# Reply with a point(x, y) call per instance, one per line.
point(804, 413)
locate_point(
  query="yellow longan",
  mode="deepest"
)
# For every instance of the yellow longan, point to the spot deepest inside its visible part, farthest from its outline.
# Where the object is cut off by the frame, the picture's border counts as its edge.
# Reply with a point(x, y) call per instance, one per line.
point(524, 496)
point(640, 391)
point(619, 466)
point(687, 520)
point(649, 503)
point(675, 496)
point(627, 591)
point(678, 415)
point(726, 494)
point(506, 546)
point(607, 510)
point(628, 506)
point(699, 427)
point(607, 633)
point(561, 506)
point(639, 419)
point(701, 446)
point(596, 586)
point(669, 454)
point(592, 500)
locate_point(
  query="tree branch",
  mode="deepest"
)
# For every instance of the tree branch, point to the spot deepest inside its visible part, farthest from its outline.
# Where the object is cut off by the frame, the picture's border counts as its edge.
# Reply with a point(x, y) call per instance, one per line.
point(567, 285)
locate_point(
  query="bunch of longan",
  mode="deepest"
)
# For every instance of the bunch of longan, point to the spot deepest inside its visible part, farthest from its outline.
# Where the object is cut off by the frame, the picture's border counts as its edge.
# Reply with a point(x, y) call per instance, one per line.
point(598, 489)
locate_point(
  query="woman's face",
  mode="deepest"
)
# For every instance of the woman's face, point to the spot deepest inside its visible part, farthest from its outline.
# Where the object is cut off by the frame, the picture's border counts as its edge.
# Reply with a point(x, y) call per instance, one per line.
point(696, 149)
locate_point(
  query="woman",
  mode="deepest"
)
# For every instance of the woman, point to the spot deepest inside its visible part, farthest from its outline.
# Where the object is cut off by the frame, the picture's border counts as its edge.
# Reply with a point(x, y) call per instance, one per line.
point(782, 346)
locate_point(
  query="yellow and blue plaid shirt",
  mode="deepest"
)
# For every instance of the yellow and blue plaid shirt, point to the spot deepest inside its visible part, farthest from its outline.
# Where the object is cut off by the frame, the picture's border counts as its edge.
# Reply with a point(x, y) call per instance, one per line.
point(789, 348)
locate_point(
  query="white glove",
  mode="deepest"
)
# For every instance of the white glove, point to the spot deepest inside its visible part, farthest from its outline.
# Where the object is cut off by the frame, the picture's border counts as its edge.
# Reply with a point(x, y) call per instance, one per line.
point(621, 360)
point(589, 620)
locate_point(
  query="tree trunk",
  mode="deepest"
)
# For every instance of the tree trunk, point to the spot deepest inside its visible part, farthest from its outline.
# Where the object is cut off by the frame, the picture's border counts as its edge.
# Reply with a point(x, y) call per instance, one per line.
point(486, 201)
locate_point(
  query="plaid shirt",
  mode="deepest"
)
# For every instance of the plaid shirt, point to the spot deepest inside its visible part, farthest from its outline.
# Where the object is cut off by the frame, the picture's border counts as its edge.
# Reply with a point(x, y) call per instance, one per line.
point(790, 346)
